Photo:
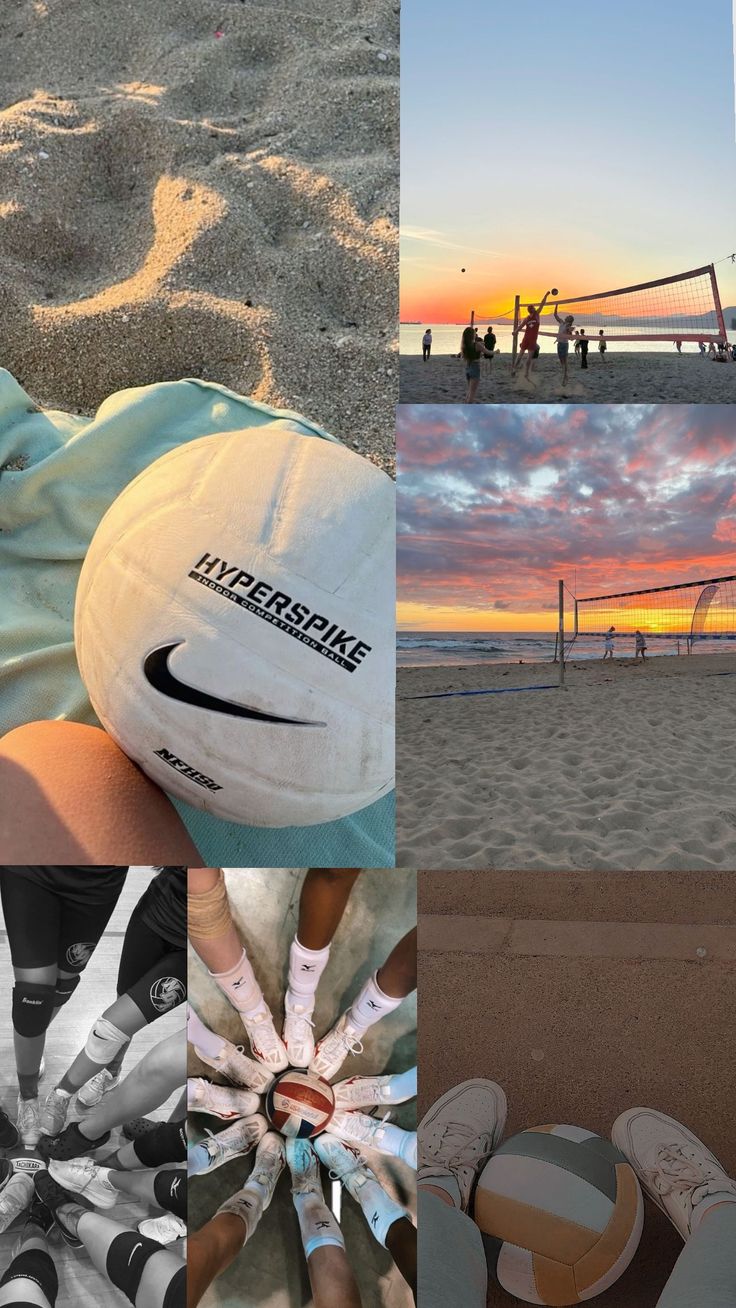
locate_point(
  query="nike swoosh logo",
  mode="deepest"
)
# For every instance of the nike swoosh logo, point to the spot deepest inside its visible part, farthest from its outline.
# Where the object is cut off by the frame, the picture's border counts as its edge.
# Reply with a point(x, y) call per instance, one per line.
point(159, 675)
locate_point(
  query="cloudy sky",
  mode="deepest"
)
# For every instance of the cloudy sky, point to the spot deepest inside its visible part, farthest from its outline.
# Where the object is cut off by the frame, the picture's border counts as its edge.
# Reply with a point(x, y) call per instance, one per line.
point(584, 147)
point(497, 502)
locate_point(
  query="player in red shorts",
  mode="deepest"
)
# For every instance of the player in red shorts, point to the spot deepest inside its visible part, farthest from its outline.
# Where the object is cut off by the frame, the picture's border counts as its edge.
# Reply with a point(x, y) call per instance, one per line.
point(530, 327)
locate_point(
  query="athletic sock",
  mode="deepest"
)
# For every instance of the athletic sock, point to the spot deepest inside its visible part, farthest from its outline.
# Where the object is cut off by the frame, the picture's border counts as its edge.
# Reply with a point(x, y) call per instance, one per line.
point(241, 988)
point(317, 1224)
point(370, 1006)
point(305, 969)
point(247, 1204)
point(201, 1037)
point(402, 1086)
point(28, 1084)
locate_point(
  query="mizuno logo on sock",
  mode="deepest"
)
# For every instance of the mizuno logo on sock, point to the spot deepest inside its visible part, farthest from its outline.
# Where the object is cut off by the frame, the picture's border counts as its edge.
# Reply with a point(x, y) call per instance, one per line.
point(158, 674)
point(374, 1219)
point(372, 1004)
point(321, 1226)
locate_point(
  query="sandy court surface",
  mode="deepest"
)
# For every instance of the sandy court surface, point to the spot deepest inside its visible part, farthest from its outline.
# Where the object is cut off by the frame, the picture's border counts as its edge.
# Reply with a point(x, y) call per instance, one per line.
point(203, 189)
point(627, 767)
point(575, 1033)
point(623, 379)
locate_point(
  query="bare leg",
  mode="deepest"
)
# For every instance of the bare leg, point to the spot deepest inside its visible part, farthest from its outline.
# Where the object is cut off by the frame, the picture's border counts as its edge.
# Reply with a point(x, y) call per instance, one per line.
point(322, 902)
point(161, 1071)
point(401, 1242)
point(69, 795)
point(332, 1280)
point(29, 1049)
point(398, 976)
point(127, 1017)
point(210, 1251)
point(140, 1184)
point(222, 951)
point(97, 1234)
point(23, 1289)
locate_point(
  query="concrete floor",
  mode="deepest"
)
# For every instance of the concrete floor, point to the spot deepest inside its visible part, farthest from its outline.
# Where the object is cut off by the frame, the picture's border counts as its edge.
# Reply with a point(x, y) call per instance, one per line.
point(271, 1271)
point(584, 995)
point(80, 1284)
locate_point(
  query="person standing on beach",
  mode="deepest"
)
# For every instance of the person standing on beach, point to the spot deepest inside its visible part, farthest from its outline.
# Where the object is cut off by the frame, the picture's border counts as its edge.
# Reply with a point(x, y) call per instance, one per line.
point(583, 343)
point(530, 326)
point(641, 646)
point(608, 645)
point(678, 346)
point(489, 343)
point(472, 351)
point(565, 334)
point(602, 346)
point(427, 344)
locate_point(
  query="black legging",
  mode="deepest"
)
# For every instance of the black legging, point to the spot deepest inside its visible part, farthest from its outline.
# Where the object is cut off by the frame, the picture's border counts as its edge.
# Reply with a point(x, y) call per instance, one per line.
point(152, 971)
point(50, 920)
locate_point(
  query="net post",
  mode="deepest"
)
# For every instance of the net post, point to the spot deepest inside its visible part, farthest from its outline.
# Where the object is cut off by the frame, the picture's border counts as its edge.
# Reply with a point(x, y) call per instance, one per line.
point(561, 628)
point(717, 302)
point(514, 348)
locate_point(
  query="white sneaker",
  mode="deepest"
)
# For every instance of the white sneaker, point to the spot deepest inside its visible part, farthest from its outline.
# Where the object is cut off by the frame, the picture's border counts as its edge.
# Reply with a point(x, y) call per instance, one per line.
point(298, 1035)
point(221, 1101)
point(304, 1167)
point(85, 1176)
point(165, 1229)
point(241, 1070)
point(459, 1133)
point(28, 1121)
point(16, 1195)
point(53, 1114)
point(265, 1041)
point(375, 1133)
point(347, 1166)
point(332, 1050)
point(231, 1143)
point(674, 1167)
point(366, 1092)
point(93, 1090)
point(255, 1195)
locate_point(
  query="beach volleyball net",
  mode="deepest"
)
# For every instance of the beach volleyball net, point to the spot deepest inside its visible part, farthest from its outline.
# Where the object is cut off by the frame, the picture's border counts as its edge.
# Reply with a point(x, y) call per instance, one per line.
point(690, 611)
point(686, 307)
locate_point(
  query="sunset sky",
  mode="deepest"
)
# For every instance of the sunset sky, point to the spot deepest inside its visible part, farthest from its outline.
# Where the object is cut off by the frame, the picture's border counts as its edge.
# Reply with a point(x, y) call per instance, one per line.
point(496, 503)
point(586, 149)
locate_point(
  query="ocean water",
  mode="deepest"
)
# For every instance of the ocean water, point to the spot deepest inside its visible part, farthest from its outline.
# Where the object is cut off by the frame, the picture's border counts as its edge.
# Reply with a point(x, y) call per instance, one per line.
point(446, 340)
point(426, 649)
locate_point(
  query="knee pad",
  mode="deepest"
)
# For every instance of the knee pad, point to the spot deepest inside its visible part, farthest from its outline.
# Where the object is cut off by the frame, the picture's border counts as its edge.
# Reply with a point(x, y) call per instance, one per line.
point(209, 914)
point(170, 1191)
point(127, 1258)
point(65, 987)
point(176, 1290)
point(37, 1266)
point(104, 1041)
point(32, 1008)
point(167, 1143)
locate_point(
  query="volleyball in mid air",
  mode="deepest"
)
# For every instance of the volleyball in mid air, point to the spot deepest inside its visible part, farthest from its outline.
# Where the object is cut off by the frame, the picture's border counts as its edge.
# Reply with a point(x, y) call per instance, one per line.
point(234, 626)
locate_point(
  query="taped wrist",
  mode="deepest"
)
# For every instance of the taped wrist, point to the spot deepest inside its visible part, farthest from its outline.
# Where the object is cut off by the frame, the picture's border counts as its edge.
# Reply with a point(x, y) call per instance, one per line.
point(208, 915)
point(33, 1008)
point(104, 1041)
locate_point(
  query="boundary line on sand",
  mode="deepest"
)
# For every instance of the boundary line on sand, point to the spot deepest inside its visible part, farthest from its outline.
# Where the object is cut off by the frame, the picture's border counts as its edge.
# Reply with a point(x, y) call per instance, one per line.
point(443, 933)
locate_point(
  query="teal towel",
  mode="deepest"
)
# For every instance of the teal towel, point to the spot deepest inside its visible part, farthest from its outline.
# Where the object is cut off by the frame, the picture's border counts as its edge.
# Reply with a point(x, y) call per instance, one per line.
point(72, 469)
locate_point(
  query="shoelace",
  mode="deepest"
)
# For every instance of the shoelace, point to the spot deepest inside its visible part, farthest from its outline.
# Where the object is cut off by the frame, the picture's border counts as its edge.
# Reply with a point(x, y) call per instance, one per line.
point(455, 1144)
point(678, 1172)
point(265, 1031)
point(346, 1043)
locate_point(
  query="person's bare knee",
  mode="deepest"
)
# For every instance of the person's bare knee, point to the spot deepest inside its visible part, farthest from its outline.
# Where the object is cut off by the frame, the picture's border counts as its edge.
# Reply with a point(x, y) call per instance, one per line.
point(69, 794)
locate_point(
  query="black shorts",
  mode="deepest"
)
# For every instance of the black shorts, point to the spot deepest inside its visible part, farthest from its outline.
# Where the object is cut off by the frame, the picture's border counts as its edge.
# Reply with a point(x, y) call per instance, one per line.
point(151, 972)
point(57, 915)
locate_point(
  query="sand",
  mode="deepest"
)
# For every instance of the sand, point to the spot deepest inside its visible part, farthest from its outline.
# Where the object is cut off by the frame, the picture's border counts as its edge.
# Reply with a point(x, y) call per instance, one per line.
point(203, 189)
point(631, 766)
point(624, 379)
point(575, 1034)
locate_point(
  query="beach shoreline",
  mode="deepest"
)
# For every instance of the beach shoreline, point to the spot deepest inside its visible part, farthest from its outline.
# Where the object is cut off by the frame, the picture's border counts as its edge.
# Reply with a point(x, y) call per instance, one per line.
point(626, 766)
point(626, 378)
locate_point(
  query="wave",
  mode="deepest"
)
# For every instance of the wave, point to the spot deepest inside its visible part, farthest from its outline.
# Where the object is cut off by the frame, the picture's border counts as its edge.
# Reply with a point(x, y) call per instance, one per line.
point(483, 645)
